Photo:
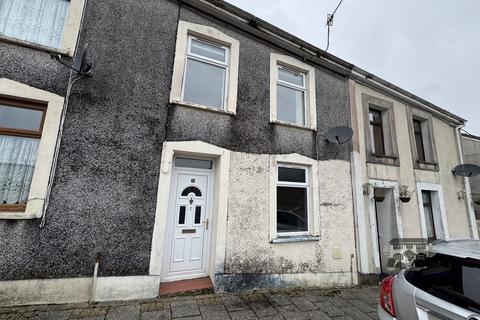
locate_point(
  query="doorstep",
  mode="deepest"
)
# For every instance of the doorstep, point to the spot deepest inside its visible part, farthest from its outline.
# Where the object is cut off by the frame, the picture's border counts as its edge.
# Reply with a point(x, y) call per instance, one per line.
point(197, 285)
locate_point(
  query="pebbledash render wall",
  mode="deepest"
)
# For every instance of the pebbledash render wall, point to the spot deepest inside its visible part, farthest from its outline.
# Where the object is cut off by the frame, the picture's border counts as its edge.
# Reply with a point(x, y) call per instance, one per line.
point(459, 223)
point(253, 262)
point(105, 189)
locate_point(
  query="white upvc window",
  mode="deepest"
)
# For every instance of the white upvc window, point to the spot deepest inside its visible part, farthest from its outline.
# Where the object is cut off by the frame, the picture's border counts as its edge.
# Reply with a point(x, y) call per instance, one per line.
point(52, 25)
point(292, 92)
point(292, 205)
point(205, 79)
point(205, 71)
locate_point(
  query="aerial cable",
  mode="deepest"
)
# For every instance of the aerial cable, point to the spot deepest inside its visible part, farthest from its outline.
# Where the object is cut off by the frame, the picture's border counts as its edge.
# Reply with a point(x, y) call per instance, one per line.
point(330, 23)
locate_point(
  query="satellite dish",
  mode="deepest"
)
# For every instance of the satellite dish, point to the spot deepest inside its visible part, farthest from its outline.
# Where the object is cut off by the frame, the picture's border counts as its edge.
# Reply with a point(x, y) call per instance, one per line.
point(80, 64)
point(339, 135)
point(466, 170)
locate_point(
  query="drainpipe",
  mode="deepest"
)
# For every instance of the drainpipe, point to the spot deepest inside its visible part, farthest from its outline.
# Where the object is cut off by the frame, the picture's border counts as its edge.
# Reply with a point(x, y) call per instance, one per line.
point(466, 184)
point(71, 81)
point(94, 279)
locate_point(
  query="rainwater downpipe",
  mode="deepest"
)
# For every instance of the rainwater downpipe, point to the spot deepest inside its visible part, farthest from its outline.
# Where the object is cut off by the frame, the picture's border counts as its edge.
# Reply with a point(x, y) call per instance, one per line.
point(72, 78)
point(94, 279)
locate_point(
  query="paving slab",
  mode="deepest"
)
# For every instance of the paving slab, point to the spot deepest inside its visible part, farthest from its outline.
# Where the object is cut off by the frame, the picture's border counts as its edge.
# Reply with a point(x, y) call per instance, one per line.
point(52, 315)
point(130, 312)
point(156, 315)
point(214, 312)
point(279, 300)
point(243, 315)
point(262, 309)
point(234, 303)
point(187, 308)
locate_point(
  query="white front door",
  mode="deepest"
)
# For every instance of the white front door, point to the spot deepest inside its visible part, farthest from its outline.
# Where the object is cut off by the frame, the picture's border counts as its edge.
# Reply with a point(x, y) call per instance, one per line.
point(189, 225)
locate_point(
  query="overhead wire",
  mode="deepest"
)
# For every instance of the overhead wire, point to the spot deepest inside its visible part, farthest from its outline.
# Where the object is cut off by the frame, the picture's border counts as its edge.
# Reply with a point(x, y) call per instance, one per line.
point(330, 23)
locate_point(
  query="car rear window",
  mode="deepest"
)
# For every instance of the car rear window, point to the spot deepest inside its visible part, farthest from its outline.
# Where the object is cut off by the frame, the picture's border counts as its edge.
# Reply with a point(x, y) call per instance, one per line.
point(452, 279)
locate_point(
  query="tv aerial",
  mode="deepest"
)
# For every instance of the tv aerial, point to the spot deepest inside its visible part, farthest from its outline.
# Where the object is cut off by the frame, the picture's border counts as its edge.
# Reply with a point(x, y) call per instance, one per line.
point(466, 170)
point(81, 65)
point(339, 135)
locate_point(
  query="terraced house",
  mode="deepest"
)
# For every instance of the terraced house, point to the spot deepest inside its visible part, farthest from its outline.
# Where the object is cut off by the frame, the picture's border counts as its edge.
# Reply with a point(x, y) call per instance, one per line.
point(196, 149)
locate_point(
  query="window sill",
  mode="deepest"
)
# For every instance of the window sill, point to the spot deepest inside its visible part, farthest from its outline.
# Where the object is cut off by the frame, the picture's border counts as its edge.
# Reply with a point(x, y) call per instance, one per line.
point(288, 124)
point(388, 160)
point(16, 215)
point(383, 156)
point(201, 106)
point(34, 45)
point(425, 165)
point(285, 239)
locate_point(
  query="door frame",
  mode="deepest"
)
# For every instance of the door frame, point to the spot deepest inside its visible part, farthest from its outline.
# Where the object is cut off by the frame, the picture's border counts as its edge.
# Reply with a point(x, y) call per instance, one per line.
point(183, 275)
point(385, 184)
point(218, 234)
point(439, 212)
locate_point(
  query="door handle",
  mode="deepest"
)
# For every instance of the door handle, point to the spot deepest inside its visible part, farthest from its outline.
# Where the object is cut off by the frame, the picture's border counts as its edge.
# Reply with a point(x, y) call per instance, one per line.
point(205, 222)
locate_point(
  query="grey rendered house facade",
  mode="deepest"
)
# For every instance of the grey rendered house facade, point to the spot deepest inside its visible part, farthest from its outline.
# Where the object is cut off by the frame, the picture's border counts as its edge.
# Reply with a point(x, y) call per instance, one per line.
point(405, 193)
point(196, 149)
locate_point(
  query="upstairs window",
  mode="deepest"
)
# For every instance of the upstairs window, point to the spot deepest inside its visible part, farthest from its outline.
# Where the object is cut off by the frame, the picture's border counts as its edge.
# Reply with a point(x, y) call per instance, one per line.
point(205, 69)
point(291, 92)
point(422, 139)
point(292, 200)
point(205, 79)
point(417, 132)
point(379, 128)
point(37, 21)
point(21, 125)
point(376, 132)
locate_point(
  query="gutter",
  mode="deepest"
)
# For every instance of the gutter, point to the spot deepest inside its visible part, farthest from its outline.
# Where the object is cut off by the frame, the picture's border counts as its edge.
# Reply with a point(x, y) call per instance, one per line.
point(261, 29)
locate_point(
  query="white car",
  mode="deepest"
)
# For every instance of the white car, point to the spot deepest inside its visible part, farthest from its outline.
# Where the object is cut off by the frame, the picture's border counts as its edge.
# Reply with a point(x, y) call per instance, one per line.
point(442, 284)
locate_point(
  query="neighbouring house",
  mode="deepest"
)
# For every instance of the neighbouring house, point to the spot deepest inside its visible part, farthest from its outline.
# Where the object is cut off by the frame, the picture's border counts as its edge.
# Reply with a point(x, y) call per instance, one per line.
point(197, 149)
point(471, 154)
point(404, 190)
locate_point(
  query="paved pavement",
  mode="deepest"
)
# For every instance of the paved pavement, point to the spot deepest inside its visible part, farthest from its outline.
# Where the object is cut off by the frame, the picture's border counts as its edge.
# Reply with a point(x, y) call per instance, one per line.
point(295, 304)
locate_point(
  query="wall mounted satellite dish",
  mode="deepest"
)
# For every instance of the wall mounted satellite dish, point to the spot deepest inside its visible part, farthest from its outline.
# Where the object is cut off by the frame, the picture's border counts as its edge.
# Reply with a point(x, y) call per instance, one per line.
point(339, 135)
point(466, 170)
point(81, 65)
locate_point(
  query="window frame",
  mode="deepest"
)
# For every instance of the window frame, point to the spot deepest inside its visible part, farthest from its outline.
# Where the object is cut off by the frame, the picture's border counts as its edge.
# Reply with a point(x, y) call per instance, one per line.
point(389, 130)
point(293, 65)
point(196, 57)
point(438, 211)
point(293, 86)
point(428, 138)
point(295, 160)
point(13, 207)
point(418, 139)
point(378, 124)
point(38, 193)
point(301, 185)
point(430, 206)
point(210, 35)
point(71, 30)
point(18, 103)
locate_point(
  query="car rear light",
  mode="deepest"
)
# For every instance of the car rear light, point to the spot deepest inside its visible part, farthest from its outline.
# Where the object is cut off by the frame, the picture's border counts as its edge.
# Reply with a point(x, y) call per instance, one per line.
point(386, 295)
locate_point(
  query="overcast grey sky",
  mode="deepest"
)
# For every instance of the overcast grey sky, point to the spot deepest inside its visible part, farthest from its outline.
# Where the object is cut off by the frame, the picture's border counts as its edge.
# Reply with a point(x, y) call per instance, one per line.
point(430, 47)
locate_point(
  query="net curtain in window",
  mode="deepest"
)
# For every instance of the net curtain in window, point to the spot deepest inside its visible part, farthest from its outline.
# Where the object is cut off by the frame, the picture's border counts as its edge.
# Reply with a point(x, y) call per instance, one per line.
point(38, 21)
point(17, 163)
